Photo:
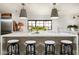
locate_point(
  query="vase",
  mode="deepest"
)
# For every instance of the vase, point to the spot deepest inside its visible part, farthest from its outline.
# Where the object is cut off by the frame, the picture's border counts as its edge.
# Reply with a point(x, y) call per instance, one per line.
point(72, 29)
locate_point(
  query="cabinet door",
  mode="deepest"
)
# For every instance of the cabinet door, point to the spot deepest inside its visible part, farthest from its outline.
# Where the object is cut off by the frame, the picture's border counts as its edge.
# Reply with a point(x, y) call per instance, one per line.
point(6, 16)
point(6, 26)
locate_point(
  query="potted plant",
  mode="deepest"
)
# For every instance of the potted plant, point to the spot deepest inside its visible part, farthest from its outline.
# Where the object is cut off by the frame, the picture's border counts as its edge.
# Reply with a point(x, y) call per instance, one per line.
point(75, 26)
point(72, 27)
point(38, 28)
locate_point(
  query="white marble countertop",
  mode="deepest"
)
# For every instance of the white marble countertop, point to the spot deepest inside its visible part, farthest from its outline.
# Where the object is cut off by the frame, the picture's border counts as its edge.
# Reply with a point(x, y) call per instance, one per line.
point(40, 34)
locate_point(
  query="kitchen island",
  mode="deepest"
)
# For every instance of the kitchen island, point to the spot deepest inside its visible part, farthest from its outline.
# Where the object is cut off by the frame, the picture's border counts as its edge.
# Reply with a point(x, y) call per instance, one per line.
point(41, 34)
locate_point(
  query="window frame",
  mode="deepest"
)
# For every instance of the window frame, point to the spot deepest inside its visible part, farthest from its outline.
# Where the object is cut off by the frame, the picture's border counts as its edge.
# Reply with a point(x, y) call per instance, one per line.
point(39, 20)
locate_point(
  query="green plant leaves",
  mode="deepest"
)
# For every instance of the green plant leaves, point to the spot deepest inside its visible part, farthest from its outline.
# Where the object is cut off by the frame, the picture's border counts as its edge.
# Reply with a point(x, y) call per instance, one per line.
point(72, 26)
point(37, 28)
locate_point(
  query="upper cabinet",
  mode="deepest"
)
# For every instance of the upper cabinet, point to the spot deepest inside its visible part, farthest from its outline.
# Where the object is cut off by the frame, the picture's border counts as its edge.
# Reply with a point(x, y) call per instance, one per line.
point(6, 15)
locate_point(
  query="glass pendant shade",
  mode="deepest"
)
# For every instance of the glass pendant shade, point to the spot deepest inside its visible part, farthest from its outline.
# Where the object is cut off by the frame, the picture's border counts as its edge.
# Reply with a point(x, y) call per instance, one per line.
point(54, 14)
point(23, 14)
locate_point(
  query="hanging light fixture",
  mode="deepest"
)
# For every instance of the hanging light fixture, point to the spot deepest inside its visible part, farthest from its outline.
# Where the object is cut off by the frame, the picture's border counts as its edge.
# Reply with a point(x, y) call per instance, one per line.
point(54, 13)
point(23, 14)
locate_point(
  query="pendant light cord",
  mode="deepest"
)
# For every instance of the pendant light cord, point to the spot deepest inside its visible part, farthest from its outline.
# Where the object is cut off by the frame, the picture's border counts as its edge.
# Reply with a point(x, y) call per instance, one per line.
point(23, 5)
point(54, 4)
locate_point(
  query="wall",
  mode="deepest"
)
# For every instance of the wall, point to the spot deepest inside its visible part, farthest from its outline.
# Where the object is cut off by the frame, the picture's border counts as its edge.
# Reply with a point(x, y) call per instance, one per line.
point(43, 11)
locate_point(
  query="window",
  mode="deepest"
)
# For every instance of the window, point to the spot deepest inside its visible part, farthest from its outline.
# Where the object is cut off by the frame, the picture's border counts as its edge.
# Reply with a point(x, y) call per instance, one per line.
point(43, 23)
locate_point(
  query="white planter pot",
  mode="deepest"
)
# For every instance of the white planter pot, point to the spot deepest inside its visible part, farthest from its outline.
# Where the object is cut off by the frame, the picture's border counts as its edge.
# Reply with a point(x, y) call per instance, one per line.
point(72, 29)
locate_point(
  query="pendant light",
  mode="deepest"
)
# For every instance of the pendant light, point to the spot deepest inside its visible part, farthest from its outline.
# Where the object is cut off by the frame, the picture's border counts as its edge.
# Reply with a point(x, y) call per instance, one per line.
point(54, 13)
point(23, 14)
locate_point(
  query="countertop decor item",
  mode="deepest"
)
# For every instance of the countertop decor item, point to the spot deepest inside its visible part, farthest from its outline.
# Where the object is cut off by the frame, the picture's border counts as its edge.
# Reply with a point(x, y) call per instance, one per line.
point(23, 14)
point(20, 26)
point(15, 26)
point(72, 27)
point(38, 28)
point(54, 13)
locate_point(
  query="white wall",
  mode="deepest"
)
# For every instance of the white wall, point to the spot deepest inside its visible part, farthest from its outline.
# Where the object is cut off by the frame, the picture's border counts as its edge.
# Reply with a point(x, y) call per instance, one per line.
point(43, 11)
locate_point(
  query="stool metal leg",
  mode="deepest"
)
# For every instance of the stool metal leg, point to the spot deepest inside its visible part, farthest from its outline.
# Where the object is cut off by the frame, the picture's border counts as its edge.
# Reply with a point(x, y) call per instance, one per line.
point(64, 48)
point(18, 49)
point(45, 49)
point(61, 48)
point(34, 50)
point(49, 49)
point(8, 49)
point(26, 49)
point(15, 49)
point(30, 49)
point(71, 50)
point(11, 49)
point(53, 49)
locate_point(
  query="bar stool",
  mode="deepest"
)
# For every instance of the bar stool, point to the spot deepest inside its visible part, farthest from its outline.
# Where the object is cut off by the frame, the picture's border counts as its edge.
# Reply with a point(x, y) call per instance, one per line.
point(66, 47)
point(49, 47)
point(13, 47)
point(30, 47)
